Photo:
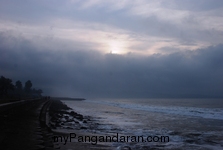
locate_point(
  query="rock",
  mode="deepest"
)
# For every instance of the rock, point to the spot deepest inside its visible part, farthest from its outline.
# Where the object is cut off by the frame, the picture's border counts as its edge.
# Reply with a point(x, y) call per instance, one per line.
point(57, 125)
point(73, 113)
point(80, 117)
point(123, 148)
point(69, 120)
point(69, 128)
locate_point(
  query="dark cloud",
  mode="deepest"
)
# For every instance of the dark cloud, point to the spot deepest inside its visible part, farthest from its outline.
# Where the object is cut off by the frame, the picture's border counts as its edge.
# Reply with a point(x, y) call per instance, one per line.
point(87, 73)
point(198, 5)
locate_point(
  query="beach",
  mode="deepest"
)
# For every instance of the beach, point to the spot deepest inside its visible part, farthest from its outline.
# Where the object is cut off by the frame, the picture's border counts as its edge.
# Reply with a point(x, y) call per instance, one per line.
point(110, 125)
point(162, 123)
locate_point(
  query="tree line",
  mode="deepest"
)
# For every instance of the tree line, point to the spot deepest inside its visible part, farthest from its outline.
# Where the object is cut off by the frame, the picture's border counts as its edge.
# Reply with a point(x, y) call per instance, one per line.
point(18, 91)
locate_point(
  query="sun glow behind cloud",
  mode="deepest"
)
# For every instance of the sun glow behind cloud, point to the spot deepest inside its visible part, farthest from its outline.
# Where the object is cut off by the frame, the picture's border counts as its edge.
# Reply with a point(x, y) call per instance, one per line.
point(140, 27)
point(106, 39)
point(116, 47)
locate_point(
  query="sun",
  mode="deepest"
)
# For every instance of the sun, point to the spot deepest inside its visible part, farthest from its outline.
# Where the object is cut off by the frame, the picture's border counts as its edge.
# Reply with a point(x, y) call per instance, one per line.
point(115, 47)
point(115, 52)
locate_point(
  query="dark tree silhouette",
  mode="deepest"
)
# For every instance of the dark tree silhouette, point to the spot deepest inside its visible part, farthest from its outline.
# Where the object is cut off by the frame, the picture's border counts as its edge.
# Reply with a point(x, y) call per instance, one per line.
point(28, 86)
point(18, 85)
point(39, 91)
point(19, 90)
point(5, 85)
point(8, 93)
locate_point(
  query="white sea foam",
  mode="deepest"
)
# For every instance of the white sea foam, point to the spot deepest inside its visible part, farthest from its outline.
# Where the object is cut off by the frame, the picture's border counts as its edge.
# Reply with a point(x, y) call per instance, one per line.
point(127, 117)
point(210, 113)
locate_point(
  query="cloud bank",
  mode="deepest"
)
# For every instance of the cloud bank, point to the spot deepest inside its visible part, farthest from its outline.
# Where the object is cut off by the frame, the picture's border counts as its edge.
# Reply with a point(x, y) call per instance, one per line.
point(98, 48)
point(89, 73)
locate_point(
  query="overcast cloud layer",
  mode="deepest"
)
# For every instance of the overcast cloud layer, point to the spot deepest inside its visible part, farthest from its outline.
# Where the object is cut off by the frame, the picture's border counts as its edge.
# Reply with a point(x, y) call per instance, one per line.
point(98, 48)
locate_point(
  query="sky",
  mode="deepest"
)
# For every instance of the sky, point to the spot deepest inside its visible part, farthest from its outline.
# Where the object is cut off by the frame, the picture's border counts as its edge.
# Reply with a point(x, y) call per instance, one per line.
point(114, 49)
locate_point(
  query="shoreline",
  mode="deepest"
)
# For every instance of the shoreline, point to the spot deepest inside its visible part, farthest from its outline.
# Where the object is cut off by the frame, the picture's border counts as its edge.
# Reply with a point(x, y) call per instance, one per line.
point(186, 133)
point(33, 124)
point(64, 120)
point(68, 98)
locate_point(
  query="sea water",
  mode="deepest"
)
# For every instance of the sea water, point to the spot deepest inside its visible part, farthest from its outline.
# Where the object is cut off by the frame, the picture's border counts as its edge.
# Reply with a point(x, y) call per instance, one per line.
point(189, 123)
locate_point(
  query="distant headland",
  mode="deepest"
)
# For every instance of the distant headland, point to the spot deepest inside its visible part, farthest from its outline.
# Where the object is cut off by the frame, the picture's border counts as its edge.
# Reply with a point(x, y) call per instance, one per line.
point(69, 98)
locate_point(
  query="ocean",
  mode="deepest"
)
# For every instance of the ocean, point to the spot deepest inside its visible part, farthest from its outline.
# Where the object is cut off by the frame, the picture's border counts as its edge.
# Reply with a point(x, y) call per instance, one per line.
point(189, 123)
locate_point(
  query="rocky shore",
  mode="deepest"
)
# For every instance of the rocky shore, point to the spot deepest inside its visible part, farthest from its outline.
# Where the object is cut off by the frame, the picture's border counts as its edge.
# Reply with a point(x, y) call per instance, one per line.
point(63, 120)
point(63, 117)
point(33, 124)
